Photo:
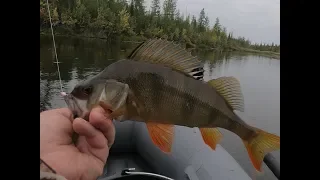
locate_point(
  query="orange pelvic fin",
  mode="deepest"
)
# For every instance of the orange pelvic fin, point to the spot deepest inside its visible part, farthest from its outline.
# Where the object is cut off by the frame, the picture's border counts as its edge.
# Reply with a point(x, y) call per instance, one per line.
point(211, 136)
point(261, 145)
point(161, 135)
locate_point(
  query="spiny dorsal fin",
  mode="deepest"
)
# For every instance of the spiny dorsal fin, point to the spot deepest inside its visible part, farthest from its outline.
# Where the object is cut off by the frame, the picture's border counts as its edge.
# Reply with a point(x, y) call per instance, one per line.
point(159, 51)
point(229, 88)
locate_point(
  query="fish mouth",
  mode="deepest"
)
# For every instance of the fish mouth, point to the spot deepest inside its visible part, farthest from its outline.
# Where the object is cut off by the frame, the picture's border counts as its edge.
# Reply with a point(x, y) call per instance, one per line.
point(73, 105)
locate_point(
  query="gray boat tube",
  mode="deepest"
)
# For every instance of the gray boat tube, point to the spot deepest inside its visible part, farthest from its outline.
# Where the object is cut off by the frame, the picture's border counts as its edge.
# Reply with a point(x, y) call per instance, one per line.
point(191, 158)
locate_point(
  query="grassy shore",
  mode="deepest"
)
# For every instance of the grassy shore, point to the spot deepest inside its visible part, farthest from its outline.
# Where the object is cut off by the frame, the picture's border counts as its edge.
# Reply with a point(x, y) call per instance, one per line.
point(270, 54)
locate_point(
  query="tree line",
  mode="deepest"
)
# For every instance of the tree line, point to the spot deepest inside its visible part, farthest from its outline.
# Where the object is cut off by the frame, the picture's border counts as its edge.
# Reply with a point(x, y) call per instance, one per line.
point(110, 18)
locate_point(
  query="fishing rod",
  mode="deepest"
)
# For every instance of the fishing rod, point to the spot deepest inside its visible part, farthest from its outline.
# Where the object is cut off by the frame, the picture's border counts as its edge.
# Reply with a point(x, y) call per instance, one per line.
point(55, 51)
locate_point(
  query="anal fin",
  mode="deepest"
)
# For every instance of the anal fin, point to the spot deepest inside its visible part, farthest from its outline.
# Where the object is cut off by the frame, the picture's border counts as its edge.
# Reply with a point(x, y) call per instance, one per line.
point(211, 136)
point(161, 135)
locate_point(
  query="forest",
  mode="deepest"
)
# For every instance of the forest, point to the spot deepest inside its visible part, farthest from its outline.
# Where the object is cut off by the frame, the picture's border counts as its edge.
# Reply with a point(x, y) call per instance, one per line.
point(132, 21)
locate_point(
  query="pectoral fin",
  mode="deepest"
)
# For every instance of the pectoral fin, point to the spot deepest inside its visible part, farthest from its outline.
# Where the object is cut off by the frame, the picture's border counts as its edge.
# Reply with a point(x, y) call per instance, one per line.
point(119, 112)
point(161, 135)
point(211, 136)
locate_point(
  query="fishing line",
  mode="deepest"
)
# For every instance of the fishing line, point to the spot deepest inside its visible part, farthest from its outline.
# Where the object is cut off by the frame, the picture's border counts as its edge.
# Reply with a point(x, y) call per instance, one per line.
point(55, 50)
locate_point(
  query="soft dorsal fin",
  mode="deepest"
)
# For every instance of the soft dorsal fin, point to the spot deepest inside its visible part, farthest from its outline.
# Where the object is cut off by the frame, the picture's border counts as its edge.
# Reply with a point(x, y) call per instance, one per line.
point(229, 88)
point(159, 51)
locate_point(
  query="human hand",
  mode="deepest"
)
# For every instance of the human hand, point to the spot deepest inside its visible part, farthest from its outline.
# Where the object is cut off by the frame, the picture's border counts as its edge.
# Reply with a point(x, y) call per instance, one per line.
point(86, 159)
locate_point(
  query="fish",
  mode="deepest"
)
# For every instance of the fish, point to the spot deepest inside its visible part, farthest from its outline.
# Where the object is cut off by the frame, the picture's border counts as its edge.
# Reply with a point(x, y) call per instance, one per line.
point(161, 84)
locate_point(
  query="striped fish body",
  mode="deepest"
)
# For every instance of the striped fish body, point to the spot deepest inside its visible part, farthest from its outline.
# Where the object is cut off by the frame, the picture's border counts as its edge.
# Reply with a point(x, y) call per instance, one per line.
point(161, 84)
point(167, 96)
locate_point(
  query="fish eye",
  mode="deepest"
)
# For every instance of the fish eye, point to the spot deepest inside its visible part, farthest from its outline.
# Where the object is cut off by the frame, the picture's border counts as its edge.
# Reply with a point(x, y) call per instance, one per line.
point(87, 90)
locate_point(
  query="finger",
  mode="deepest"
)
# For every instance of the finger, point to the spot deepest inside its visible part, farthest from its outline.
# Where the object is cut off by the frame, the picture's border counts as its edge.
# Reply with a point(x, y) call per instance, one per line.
point(93, 136)
point(66, 112)
point(98, 119)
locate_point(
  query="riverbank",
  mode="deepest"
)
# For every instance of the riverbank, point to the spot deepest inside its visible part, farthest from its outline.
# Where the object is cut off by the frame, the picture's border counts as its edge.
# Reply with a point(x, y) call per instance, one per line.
point(139, 39)
point(66, 33)
point(270, 54)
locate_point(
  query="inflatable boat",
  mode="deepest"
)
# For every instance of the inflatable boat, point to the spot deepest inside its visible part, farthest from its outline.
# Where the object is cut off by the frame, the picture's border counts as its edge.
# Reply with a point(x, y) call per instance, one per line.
point(134, 154)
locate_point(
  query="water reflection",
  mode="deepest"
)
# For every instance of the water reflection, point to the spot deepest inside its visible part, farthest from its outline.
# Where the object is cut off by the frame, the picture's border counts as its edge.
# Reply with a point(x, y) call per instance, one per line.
point(79, 59)
point(259, 78)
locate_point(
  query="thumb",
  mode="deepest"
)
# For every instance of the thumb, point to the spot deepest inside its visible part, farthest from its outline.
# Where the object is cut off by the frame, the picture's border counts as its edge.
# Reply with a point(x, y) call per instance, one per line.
point(99, 119)
point(94, 137)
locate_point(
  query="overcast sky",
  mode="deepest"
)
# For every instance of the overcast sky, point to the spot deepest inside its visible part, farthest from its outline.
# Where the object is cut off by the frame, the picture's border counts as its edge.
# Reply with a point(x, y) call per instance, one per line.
point(258, 20)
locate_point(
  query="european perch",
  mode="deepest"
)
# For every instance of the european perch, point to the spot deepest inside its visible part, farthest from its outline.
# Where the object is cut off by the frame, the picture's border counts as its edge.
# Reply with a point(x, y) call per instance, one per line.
point(160, 84)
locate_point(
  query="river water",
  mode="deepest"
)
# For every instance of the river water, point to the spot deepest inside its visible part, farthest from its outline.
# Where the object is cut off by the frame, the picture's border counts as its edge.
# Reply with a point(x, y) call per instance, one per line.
point(259, 77)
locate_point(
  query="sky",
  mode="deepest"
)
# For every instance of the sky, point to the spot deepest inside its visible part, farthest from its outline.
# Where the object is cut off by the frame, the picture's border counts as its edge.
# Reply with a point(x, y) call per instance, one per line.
point(257, 20)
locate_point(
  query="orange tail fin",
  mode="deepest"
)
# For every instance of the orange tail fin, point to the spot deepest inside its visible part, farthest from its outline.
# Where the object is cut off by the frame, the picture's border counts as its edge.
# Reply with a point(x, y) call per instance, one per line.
point(261, 145)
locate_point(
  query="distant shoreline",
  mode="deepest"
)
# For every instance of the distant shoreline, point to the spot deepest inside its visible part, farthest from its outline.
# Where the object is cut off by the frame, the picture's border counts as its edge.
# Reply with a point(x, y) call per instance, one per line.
point(140, 39)
point(262, 53)
point(130, 21)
